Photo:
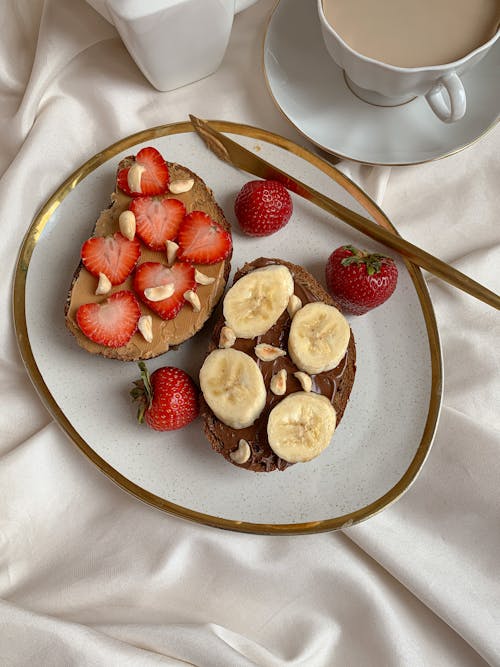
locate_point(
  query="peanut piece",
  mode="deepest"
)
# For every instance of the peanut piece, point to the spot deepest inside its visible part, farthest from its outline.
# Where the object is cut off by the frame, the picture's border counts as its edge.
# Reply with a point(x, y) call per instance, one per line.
point(160, 292)
point(172, 248)
point(227, 338)
point(278, 382)
point(267, 352)
point(181, 185)
point(242, 454)
point(126, 223)
point(145, 326)
point(193, 299)
point(104, 284)
point(134, 177)
point(304, 379)
point(294, 304)
point(202, 279)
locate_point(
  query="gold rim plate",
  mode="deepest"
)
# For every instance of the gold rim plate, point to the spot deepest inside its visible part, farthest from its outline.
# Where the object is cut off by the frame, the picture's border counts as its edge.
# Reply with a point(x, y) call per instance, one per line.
point(20, 322)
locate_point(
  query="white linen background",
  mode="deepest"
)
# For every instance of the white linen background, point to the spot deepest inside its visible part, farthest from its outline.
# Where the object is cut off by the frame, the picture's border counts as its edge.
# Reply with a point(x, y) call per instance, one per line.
point(91, 576)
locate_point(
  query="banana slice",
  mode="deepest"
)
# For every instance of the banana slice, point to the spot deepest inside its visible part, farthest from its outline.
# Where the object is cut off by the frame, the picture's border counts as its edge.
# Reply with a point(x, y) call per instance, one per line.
point(301, 426)
point(255, 302)
point(318, 338)
point(233, 387)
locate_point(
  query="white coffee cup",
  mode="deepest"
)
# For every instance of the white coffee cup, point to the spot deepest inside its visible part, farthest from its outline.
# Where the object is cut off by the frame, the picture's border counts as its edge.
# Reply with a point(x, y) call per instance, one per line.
point(173, 42)
point(383, 84)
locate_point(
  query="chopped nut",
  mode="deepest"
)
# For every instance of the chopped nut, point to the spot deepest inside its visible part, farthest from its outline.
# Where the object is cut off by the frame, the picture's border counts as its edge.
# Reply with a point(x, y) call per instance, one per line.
point(304, 379)
point(242, 454)
point(202, 279)
point(294, 304)
point(145, 326)
point(104, 284)
point(159, 293)
point(193, 299)
point(134, 177)
point(267, 352)
point(181, 185)
point(278, 382)
point(172, 248)
point(126, 223)
point(227, 338)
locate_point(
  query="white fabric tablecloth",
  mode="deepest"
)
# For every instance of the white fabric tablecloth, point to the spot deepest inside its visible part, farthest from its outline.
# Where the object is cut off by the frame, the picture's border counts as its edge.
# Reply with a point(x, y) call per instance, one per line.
point(89, 575)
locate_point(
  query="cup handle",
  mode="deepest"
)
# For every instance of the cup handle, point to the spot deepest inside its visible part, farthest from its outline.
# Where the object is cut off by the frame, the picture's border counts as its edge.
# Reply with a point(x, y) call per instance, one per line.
point(456, 94)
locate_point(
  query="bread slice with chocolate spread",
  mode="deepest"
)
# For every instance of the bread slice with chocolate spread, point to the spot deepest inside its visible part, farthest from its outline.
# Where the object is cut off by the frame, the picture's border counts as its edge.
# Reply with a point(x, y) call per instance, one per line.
point(248, 445)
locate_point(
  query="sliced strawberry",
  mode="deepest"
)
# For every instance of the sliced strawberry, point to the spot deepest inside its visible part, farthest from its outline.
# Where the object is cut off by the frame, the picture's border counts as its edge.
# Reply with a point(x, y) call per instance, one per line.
point(111, 323)
point(202, 240)
point(154, 274)
point(154, 178)
point(158, 219)
point(115, 256)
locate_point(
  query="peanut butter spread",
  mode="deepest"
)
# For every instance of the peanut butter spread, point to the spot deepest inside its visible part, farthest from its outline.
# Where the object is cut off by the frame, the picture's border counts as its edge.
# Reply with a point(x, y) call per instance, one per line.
point(166, 333)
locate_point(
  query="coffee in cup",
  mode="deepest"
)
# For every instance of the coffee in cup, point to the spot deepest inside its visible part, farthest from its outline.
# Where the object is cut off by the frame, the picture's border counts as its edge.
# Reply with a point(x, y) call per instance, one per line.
point(393, 50)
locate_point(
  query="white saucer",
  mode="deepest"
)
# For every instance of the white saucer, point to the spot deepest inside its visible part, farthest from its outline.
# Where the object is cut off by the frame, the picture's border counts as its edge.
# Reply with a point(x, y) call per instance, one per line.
point(312, 93)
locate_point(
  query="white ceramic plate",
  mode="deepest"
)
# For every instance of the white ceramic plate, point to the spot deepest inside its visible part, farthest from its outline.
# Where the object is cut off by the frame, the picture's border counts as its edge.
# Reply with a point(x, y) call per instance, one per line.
point(311, 91)
point(389, 423)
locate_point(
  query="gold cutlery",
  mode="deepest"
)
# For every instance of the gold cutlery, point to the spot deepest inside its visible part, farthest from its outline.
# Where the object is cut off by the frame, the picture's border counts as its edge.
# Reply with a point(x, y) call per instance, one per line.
point(230, 151)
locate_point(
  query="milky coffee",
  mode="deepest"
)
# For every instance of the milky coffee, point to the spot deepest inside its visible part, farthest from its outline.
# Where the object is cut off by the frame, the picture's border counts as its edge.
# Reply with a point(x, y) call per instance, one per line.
point(414, 33)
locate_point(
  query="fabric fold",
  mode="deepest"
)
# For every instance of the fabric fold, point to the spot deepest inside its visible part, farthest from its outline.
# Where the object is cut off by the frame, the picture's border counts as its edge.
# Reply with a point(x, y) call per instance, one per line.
point(91, 576)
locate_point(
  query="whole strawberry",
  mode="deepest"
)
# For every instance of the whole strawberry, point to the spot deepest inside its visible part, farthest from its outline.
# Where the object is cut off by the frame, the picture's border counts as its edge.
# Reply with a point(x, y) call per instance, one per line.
point(263, 207)
point(358, 280)
point(168, 399)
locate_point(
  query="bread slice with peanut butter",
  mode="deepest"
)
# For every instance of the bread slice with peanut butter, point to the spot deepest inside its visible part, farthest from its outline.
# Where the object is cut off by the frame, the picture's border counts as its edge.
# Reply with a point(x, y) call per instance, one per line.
point(156, 331)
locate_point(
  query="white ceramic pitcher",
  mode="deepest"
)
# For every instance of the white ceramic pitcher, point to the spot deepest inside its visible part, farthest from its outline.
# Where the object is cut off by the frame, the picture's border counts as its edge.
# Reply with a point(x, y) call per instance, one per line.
point(173, 42)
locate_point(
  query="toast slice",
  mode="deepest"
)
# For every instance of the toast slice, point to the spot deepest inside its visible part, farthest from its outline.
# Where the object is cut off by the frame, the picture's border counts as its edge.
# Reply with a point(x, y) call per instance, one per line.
point(335, 384)
point(166, 333)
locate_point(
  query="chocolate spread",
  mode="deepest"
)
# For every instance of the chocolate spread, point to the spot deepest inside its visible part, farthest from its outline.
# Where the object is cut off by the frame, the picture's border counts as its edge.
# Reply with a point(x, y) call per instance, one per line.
point(335, 384)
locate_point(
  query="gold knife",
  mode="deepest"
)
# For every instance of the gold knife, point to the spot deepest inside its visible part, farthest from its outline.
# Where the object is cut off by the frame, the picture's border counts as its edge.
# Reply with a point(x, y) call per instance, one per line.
point(228, 150)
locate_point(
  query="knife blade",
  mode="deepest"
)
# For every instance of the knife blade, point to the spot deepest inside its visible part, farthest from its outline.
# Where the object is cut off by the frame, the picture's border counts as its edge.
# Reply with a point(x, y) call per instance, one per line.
point(230, 151)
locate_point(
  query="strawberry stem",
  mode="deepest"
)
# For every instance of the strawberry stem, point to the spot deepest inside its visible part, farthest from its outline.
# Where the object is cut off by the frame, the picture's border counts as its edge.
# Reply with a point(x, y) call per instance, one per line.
point(142, 392)
point(372, 261)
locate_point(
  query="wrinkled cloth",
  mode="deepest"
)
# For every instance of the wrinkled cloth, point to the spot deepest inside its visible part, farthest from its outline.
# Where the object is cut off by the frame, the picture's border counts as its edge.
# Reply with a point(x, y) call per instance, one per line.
point(91, 576)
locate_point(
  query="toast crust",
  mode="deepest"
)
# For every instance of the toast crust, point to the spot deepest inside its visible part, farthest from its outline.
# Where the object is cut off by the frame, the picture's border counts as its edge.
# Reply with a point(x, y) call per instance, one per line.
point(335, 384)
point(166, 333)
